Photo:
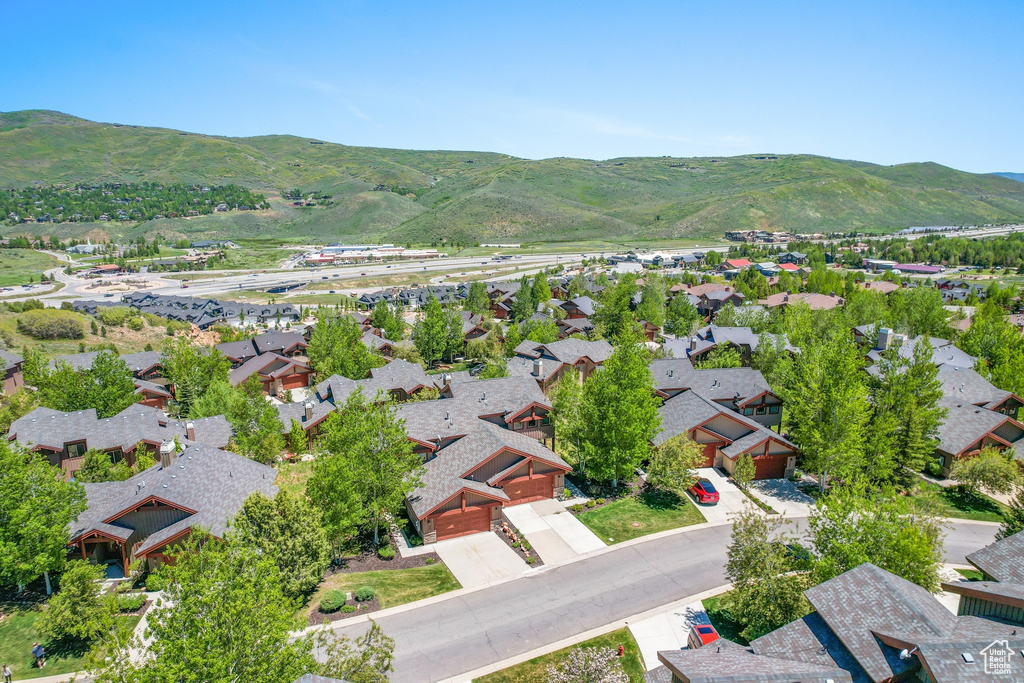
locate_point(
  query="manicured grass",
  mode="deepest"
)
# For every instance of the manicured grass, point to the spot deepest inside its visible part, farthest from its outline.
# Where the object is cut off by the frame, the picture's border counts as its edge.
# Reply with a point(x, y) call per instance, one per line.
point(636, 516)
point(17, 633)
point(721, 618)
point(954, 502)
point(292, 476)
point(17, 265)
point(392, 586)
point(971, 574)
point(536, 669)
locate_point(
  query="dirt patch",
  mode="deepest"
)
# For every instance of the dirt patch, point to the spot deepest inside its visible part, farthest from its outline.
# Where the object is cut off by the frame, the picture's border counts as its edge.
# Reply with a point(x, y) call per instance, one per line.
point(369, 561)
point(366, 607)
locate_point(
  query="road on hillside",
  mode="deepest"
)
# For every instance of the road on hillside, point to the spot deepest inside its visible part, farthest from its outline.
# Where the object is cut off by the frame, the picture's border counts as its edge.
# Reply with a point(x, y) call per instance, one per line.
point(461, 634)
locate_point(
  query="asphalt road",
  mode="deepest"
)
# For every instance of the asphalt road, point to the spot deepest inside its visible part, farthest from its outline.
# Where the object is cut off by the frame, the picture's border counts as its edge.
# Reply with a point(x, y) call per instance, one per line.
point(455, 636)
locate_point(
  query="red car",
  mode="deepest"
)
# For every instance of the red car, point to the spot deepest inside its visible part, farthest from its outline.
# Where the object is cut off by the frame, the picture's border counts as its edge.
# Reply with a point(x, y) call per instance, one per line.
point(704, 491)
point(701, 635)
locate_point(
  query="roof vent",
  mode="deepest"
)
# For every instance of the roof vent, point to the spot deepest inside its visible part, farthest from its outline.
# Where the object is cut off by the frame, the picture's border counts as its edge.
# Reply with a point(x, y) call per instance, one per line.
point(968, 657)
point(670, 372)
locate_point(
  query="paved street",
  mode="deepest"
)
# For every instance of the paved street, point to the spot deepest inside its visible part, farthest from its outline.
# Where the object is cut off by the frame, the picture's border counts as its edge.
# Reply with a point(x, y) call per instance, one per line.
point(451, 637)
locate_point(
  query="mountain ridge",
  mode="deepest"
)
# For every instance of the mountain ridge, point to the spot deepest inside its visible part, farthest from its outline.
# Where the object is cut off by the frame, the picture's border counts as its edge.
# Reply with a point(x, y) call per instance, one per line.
point(425, 195)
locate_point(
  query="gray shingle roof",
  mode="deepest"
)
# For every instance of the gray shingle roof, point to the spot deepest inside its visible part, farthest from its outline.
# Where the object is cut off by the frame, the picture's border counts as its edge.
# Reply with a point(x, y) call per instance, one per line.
point(211, 482)
point(10, 359)
point(270, 364)
point(965, 425)
point(726, 662)
point(1002, 560)
point(967, 386)
point(278, 342)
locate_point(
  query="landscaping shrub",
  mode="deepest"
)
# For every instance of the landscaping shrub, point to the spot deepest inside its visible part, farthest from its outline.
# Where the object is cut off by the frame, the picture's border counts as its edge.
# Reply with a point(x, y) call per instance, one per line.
point(114, 316)
point(527, 546)
point(332, 601)
point(51, 323)
point(515, 544)
point(365, 593)
point(387, 552)
point(530, 560)
point(135, 324)
point(591, 503)
point(577, 508)
point(600, 501)
point(429, 560)
point(155, 582)
point(934, 468)
point(348, 609)
point(130, 603)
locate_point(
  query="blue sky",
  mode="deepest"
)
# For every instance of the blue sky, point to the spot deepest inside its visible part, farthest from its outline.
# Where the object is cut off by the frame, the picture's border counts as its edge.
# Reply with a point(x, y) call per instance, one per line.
point(881, 82)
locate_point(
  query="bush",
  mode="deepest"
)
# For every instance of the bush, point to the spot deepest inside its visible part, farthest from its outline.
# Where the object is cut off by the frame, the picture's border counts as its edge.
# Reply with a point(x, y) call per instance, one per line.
point(429, 560)
point(387, 552)
point(33, 305)
point(51, 323)
point(527, 546)
point(347, 609)
point(130, 603)
point(934, 468)
point(114, 316)
point(332, 601)
point(591, 503)
point(577, 508)
point(135, 324)
point(515, 544)
point(530, 560)
point(600, 501)
point(155, 582)
point(365, 593)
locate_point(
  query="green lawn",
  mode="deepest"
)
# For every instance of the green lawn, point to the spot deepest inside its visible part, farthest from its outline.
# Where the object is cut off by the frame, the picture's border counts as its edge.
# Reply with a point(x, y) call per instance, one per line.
point(636, 516)
point(393, 586)
point(292, 476)
point(18, 265)
point(721, 618)
point(953, 502)
point(17, 633)
point(536, 669)
point(971, 574)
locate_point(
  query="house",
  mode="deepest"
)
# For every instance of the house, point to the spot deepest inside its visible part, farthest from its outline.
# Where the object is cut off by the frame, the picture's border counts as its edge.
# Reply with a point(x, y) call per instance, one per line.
point(288, 344)
point(704, 340)
point(867, 626)
point(968, 428)
point(735, 264)
point(882, 286)
point(13, 379)
point(472, 326)
point(1001, 595)
point(711, 302)
point(152, 395)
point(790, 268)
point(792, 257)
point(547, 363)
point(378, 343)
point(481, 452)
point(580, 307)
point(944, 352)
point(277, 373)
point(145, 365)
point(768, 269)
point(65, 437)
point(816, 302)
point(571, 326)
point(145, 516)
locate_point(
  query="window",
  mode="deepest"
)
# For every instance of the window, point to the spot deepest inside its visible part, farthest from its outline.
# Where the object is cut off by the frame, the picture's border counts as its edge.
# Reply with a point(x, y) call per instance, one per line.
point(517, 425)
point(773, 410)
point(546, 421)
point(760, 410)
point(748, 411)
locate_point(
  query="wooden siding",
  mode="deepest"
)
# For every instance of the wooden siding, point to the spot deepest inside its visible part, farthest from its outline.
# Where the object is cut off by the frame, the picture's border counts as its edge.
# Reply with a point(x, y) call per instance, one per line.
point(146, 521)
point(776, 447)
point(498, 463)
point(477, 499)
point(1008, 431)
point(453, 504)
point(727, 427)
point(972, 606)
point(543, 467)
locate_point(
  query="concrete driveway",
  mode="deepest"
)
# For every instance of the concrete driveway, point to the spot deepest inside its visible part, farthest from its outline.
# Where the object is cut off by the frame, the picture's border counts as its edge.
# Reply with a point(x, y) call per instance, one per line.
point(666, 631)
point(480, 559)
point(783, 496)
point(730, 498)
point(552, 530)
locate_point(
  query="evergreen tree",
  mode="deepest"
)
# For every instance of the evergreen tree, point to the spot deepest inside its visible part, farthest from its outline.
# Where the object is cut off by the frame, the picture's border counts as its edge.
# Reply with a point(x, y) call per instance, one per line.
point(615, 312)
point(540, 291)
point(1013, 519)
point(389, 319)
point(681, 317)
point(513, 338)
point(255, 423)
point(652, 301)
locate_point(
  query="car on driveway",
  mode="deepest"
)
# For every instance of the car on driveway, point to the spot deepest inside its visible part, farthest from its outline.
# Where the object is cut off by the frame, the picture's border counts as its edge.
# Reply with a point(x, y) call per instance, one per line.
point(704, 491)
point(701, 635)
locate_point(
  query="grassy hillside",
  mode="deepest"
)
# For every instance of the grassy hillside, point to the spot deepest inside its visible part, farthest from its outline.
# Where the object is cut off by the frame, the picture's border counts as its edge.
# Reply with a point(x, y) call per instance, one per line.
point(421, 195)
point(1012, 176)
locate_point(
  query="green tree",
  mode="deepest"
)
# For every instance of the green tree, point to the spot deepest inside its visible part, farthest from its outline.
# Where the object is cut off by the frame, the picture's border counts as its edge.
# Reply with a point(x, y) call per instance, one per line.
point(673, 465)
point(255, 423)
point(615, 312)
point(998, 345)
point(289, 529)
point(745, 471)
point(36, 510)
point(215, 400)
point(990, 470)
point(918, 310)
point(619, 412)
point(587, 665)
point(652, 300)
point(336, 348)
point(192, 369)
point(827, 408)
point(78, 611)
point(430, 333)
point(370, 438)
point(765, 594)
point(524, 305)
point(773, 360)
point(226, 620)
point(540, 291)
point(298, 442)
point(108, 386)
point(723, 356)
point(477, 300)
point(681, 317)
point(389, 319)
point(455, 341)
point(494, 368)
point(14, 406)
point(906, 415)
point(854, 524)
point(566, 400)
point(541, 331)
point(99, 466)
point(1013, 519)
point(513, 338)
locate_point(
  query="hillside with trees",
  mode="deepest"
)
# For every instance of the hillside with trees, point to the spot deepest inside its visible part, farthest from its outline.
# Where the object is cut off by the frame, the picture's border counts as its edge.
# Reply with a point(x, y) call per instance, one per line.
point(470, 196)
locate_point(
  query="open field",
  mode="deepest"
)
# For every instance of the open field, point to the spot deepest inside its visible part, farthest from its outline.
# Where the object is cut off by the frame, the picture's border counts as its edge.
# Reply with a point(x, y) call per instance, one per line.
point(469, 197)
point(18, 265)
point(536, 669)
point(126, 341)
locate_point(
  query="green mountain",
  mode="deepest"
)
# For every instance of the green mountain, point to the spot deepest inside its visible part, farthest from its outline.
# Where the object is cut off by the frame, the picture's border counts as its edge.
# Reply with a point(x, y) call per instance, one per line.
point(1012, 176)
point(420, 196)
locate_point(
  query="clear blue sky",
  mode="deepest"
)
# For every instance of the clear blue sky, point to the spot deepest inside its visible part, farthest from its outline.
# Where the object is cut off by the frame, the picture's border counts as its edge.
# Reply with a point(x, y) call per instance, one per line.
point(877, 81)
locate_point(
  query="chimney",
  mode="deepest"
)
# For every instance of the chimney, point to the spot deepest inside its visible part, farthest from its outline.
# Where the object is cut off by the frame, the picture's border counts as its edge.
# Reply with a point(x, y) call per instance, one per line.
point(166, 454)
point(190, 431)
point(884, 338)
point(446, 378)
point(538, 367)
point(308, 411)
point(693, 343)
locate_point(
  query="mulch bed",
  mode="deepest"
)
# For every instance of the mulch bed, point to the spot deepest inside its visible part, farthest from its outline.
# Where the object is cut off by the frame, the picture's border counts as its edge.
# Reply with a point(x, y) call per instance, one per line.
point(369, 561)
point(367, 607)
point(139, 612)
point(538, 561)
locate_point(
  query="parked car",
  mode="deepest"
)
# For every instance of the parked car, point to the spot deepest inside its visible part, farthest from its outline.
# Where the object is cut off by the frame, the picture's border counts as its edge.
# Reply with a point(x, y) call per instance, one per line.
point(704, 491)
point(701, 635)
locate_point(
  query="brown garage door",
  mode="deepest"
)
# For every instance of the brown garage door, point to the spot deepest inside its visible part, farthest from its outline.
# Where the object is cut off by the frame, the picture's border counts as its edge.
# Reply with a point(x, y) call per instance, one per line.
point(294, 381)
point(770, 466)
point(709, 454)
point(527, 489)
point(458, 523)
